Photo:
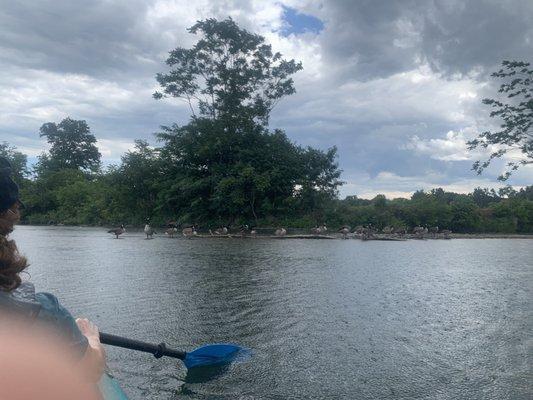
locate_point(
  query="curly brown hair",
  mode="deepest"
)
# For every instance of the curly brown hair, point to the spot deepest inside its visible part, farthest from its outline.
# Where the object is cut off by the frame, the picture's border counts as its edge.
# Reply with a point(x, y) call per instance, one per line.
point(12, 263)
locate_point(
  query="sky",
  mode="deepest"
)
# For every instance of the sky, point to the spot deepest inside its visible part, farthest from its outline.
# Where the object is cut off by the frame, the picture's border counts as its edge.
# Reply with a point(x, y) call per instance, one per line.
point(396, 85)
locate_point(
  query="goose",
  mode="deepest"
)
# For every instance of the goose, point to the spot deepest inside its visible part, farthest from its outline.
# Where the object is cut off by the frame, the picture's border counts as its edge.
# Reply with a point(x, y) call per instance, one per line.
point(220, 231)
point(244, 229)
point(280, 232)
point(400, 231)
point(345, 230)
point(171, 231)
point(446, 233)
point(149, 231)
point(253, 232)
point(368, 232)
point(419, 231)
point(189, 232)
point(387, 230)
point(317, 230)
point(358, 229)
point(117, 231)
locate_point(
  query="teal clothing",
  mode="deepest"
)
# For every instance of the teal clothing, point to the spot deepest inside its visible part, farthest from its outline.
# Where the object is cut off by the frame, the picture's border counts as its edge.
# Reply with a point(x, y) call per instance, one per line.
point(45, 308)
point(57, 316)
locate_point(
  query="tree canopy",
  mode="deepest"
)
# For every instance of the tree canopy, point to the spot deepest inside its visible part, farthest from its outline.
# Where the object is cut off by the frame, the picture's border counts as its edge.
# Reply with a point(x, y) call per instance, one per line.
point(225, 164)
point(73, 146)
point(230, 74)
point(515, 110)
point(18, 161)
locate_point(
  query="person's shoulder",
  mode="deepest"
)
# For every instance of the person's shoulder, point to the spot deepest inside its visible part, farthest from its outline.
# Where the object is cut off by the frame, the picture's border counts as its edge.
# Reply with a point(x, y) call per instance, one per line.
point(51, 305)
point(25, 292)
point(54, 313)
point(47, 300)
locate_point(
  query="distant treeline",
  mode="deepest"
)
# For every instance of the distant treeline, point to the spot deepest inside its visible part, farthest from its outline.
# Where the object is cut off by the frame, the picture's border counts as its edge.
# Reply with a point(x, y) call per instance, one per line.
point(143, 186)
point(482, 211)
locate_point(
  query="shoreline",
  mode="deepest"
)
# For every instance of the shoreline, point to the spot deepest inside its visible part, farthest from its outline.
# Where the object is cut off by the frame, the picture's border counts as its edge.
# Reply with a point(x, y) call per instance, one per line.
point(491, 236)
point(299, 234)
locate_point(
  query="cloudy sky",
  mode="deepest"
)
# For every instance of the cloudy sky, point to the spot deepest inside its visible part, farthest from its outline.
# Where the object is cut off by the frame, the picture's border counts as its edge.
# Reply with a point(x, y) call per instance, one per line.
point(395, 85)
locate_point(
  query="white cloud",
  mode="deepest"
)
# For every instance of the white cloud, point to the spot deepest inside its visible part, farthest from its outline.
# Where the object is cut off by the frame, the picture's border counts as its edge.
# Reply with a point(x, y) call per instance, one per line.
point(112, 150)
point(394, 186)
point(452, 148)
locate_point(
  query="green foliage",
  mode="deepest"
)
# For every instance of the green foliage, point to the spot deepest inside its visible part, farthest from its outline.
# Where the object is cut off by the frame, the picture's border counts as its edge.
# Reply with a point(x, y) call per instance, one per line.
point(18, 160)
point(516, 114)
point(72, 147)
point(194, 177)
point(230, 73)
point(136, 182)
point(225, 165)
point(437, 208)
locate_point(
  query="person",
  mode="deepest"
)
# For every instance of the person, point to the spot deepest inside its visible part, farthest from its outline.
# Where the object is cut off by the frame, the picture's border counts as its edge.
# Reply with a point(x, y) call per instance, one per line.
point(35, 365)
point(20, 301)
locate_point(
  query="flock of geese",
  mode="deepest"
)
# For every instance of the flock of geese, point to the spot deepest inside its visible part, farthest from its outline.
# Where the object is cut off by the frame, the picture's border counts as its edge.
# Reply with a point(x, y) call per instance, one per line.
point(362, 231)
point(191, 231)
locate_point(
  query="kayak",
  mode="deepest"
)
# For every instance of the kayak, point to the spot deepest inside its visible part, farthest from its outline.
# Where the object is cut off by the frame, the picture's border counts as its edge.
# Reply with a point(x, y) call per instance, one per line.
point(110, 388)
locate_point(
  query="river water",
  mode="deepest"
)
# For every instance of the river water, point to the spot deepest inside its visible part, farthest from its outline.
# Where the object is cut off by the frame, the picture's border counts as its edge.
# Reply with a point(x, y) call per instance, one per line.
point(326, 319)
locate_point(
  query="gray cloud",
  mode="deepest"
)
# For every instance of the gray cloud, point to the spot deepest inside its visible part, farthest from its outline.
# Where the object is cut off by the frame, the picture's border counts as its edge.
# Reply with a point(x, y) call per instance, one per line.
point(368, 39)
point(380, 75)
point(97, 38)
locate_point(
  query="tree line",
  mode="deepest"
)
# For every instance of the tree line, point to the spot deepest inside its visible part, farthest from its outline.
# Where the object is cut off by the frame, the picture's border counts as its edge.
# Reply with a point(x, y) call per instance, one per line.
point(147, 185)
point(226, 167)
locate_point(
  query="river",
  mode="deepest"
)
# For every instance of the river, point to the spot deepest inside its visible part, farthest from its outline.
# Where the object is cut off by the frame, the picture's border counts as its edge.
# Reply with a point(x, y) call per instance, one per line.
point(325, 319)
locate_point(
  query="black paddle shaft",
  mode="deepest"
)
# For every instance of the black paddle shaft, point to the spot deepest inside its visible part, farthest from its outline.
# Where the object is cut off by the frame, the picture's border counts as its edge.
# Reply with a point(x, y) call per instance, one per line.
point(158, 350)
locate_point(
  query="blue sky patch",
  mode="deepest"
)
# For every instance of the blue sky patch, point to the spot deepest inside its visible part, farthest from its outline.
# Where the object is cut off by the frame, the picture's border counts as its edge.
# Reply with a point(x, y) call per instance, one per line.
point(298, 23)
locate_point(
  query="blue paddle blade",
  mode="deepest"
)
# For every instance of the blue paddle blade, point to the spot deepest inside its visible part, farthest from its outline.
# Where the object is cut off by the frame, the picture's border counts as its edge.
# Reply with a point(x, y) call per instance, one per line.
point(212, 354)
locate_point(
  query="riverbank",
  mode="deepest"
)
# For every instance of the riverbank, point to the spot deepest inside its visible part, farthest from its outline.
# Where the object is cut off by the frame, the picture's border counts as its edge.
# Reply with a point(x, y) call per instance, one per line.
point(267, 232)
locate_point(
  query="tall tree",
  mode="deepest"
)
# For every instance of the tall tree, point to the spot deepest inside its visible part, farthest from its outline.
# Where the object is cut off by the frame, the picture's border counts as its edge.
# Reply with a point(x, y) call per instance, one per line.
point(73, 146)
point(229, 74)
point(516, 113)
point(225, 164)
point(138, 180)
point(319, 180)
point(18, 160)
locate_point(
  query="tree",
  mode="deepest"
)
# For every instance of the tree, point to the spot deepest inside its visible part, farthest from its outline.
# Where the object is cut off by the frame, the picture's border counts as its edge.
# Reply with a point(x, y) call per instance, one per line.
point(231, 74)
point(484, 197)
point(516, 131)
point(380, 201)
point(72, 147)
point(216, 175)
point(225, 164)
point(18, 161)
point(319, 180)
point(138, 181)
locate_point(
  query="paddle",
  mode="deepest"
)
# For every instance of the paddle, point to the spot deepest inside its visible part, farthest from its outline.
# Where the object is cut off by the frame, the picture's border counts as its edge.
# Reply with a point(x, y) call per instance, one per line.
point(208, 355)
